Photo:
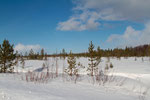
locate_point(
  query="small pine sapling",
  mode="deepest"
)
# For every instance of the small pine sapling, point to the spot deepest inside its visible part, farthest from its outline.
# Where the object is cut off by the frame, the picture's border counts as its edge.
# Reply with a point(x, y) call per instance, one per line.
point(71, 69)
point(111, 65)
point(94, 61)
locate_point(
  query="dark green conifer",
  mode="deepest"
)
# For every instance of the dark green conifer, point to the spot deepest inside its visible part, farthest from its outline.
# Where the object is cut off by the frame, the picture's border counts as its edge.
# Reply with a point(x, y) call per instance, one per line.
point(42, 53)
point(31, 54)
point(7, 57)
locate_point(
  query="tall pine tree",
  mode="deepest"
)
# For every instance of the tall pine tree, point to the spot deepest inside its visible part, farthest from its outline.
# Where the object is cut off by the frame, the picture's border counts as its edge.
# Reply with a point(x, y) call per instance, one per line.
point(7, 57)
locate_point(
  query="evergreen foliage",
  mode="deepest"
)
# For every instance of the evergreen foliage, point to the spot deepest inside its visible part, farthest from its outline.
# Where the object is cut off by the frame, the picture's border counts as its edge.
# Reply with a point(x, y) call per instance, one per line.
point(71, 70)
point(111, 65)
point(94, 60)
point(98, 51)
point(64, 54)
point(138, 51)
point(42, 54)
point(7, 57)
point(33, 55)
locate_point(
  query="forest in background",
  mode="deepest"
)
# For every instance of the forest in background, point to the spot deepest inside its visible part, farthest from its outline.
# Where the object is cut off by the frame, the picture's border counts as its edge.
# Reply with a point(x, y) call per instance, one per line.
point(138, 51)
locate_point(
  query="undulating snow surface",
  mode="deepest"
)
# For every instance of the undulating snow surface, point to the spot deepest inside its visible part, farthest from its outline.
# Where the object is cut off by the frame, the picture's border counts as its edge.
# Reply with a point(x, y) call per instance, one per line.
point(132, 82)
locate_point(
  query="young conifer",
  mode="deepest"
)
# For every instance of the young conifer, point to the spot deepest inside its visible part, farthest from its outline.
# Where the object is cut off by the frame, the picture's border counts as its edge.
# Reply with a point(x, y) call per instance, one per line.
point(98, 51)
point(42, 53)
point(71, 70)
point(31, 54)
point(94, 60)
point(63, 53)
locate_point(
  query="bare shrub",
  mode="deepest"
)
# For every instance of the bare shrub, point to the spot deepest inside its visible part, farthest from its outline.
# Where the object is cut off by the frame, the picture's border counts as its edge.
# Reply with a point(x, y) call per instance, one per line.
point(106, 76)
point(143, 93)
point(108, 59)
point(56, 59)
point(22, 62)
point(63, 69)
point(39, 76)
point(142, 59)
point(135, 59)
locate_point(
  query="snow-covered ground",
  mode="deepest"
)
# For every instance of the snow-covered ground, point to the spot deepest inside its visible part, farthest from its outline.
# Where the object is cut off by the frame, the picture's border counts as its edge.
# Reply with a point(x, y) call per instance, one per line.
point(134, 75)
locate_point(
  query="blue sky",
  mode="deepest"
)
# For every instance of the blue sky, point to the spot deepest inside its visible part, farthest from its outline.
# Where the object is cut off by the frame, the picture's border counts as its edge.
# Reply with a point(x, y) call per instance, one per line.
point(72, 24)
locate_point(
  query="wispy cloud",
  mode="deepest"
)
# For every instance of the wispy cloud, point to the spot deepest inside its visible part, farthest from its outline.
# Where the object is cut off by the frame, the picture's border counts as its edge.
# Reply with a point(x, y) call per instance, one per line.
point(88, 13)
point(26, 48)
point(85, 21)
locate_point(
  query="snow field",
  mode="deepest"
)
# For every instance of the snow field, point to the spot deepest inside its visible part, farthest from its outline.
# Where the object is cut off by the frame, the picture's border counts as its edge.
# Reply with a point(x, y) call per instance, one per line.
point(134, 75)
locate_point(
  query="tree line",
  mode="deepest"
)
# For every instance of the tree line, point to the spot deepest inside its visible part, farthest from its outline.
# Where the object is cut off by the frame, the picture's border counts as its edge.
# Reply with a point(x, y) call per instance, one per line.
point(138, 51)
point(9, 57)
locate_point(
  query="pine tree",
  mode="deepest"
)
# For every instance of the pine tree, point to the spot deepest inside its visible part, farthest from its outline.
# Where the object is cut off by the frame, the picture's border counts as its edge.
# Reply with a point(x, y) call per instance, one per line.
point(7, 57)
point(31, 54)
point(149, 52)
point(71, 70)
point(42, 53)
point(26, 55)
point(99, 52)
point(63, 53)
point(94, 61)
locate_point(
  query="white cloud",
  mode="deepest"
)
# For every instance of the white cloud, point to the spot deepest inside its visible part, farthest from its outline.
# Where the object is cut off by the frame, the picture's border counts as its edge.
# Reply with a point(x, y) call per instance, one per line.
point(84, 21)
point(131, 37)
point(117, 9)
point(26, 48)
point(71, 24)
point(88, 13)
